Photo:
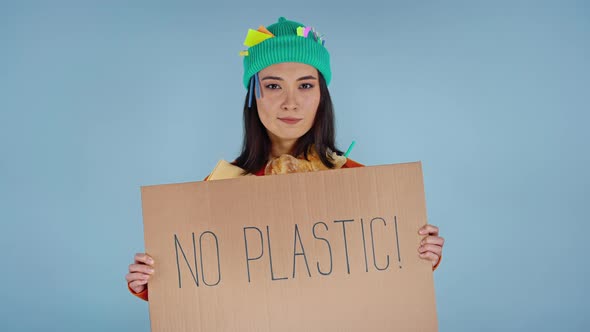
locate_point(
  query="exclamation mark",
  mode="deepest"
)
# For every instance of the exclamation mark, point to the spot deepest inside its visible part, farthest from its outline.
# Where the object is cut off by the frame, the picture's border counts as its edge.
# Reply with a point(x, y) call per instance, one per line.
point(399, 257)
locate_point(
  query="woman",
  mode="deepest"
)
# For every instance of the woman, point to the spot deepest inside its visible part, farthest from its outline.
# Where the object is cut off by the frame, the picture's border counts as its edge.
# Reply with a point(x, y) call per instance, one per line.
point(288, 120)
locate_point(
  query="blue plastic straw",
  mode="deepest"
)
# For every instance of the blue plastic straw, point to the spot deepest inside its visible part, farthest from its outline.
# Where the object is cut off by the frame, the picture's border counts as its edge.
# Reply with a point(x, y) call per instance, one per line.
point(257, 85)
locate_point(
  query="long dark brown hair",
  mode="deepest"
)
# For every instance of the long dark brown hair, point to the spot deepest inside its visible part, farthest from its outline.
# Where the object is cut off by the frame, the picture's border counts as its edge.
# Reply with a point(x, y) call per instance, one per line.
point(256, 147)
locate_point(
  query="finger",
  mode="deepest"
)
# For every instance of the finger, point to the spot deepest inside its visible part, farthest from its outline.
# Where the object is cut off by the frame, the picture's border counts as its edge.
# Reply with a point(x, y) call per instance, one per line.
point(428, 230)
point(433, 240)
point(141, 268)
point(138, 285)
point(136, 276)
point(430, 257)
point(430, 248)
point(143, 258)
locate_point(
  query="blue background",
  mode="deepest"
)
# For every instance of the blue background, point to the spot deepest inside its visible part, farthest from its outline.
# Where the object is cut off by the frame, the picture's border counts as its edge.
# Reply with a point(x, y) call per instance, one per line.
point(100, 98)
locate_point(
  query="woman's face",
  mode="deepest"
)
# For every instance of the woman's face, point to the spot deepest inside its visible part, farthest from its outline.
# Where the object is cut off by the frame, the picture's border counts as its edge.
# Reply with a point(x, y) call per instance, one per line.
point(290, 95)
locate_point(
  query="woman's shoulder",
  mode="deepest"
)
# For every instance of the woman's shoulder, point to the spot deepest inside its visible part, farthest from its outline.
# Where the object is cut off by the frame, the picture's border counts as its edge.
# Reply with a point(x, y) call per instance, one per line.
point(351, 163)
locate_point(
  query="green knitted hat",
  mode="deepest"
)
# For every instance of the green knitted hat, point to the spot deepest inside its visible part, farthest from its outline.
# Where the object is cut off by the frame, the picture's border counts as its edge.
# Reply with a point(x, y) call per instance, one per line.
point(285, 41)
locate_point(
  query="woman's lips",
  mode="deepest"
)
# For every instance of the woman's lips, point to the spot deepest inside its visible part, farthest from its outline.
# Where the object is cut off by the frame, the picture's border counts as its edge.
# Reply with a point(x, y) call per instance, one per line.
point(290, 120)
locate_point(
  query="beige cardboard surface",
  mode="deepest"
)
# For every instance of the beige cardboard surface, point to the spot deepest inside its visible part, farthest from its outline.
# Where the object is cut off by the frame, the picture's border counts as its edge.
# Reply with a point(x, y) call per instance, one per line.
point(331, 250)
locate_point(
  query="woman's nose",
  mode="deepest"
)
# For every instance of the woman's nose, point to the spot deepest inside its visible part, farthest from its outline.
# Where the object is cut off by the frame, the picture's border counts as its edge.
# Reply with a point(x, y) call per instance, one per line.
point(290, 102)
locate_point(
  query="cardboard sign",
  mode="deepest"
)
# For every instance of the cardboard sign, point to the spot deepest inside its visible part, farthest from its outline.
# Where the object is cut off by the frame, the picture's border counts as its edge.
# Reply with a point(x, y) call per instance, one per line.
point(333, 250)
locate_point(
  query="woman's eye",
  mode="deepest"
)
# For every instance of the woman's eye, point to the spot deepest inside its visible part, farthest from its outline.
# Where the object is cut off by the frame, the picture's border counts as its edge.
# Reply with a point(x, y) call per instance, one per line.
point(306, 86)
point(273, 86)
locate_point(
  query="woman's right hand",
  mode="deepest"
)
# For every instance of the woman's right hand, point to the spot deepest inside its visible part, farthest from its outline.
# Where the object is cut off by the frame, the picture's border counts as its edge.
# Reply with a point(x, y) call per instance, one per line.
point(140, 272)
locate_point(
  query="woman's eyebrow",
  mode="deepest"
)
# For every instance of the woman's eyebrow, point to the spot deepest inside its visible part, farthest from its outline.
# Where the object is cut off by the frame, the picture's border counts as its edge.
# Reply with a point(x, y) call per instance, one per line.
point(309, 77)
point(271, 78)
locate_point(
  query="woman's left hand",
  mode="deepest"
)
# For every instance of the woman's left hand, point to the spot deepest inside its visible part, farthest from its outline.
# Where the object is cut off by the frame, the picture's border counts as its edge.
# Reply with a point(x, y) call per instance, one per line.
point(432, 244)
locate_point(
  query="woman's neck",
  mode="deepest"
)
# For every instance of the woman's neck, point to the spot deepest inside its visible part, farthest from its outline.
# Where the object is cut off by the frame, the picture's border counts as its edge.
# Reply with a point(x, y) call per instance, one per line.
point(281, 147)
